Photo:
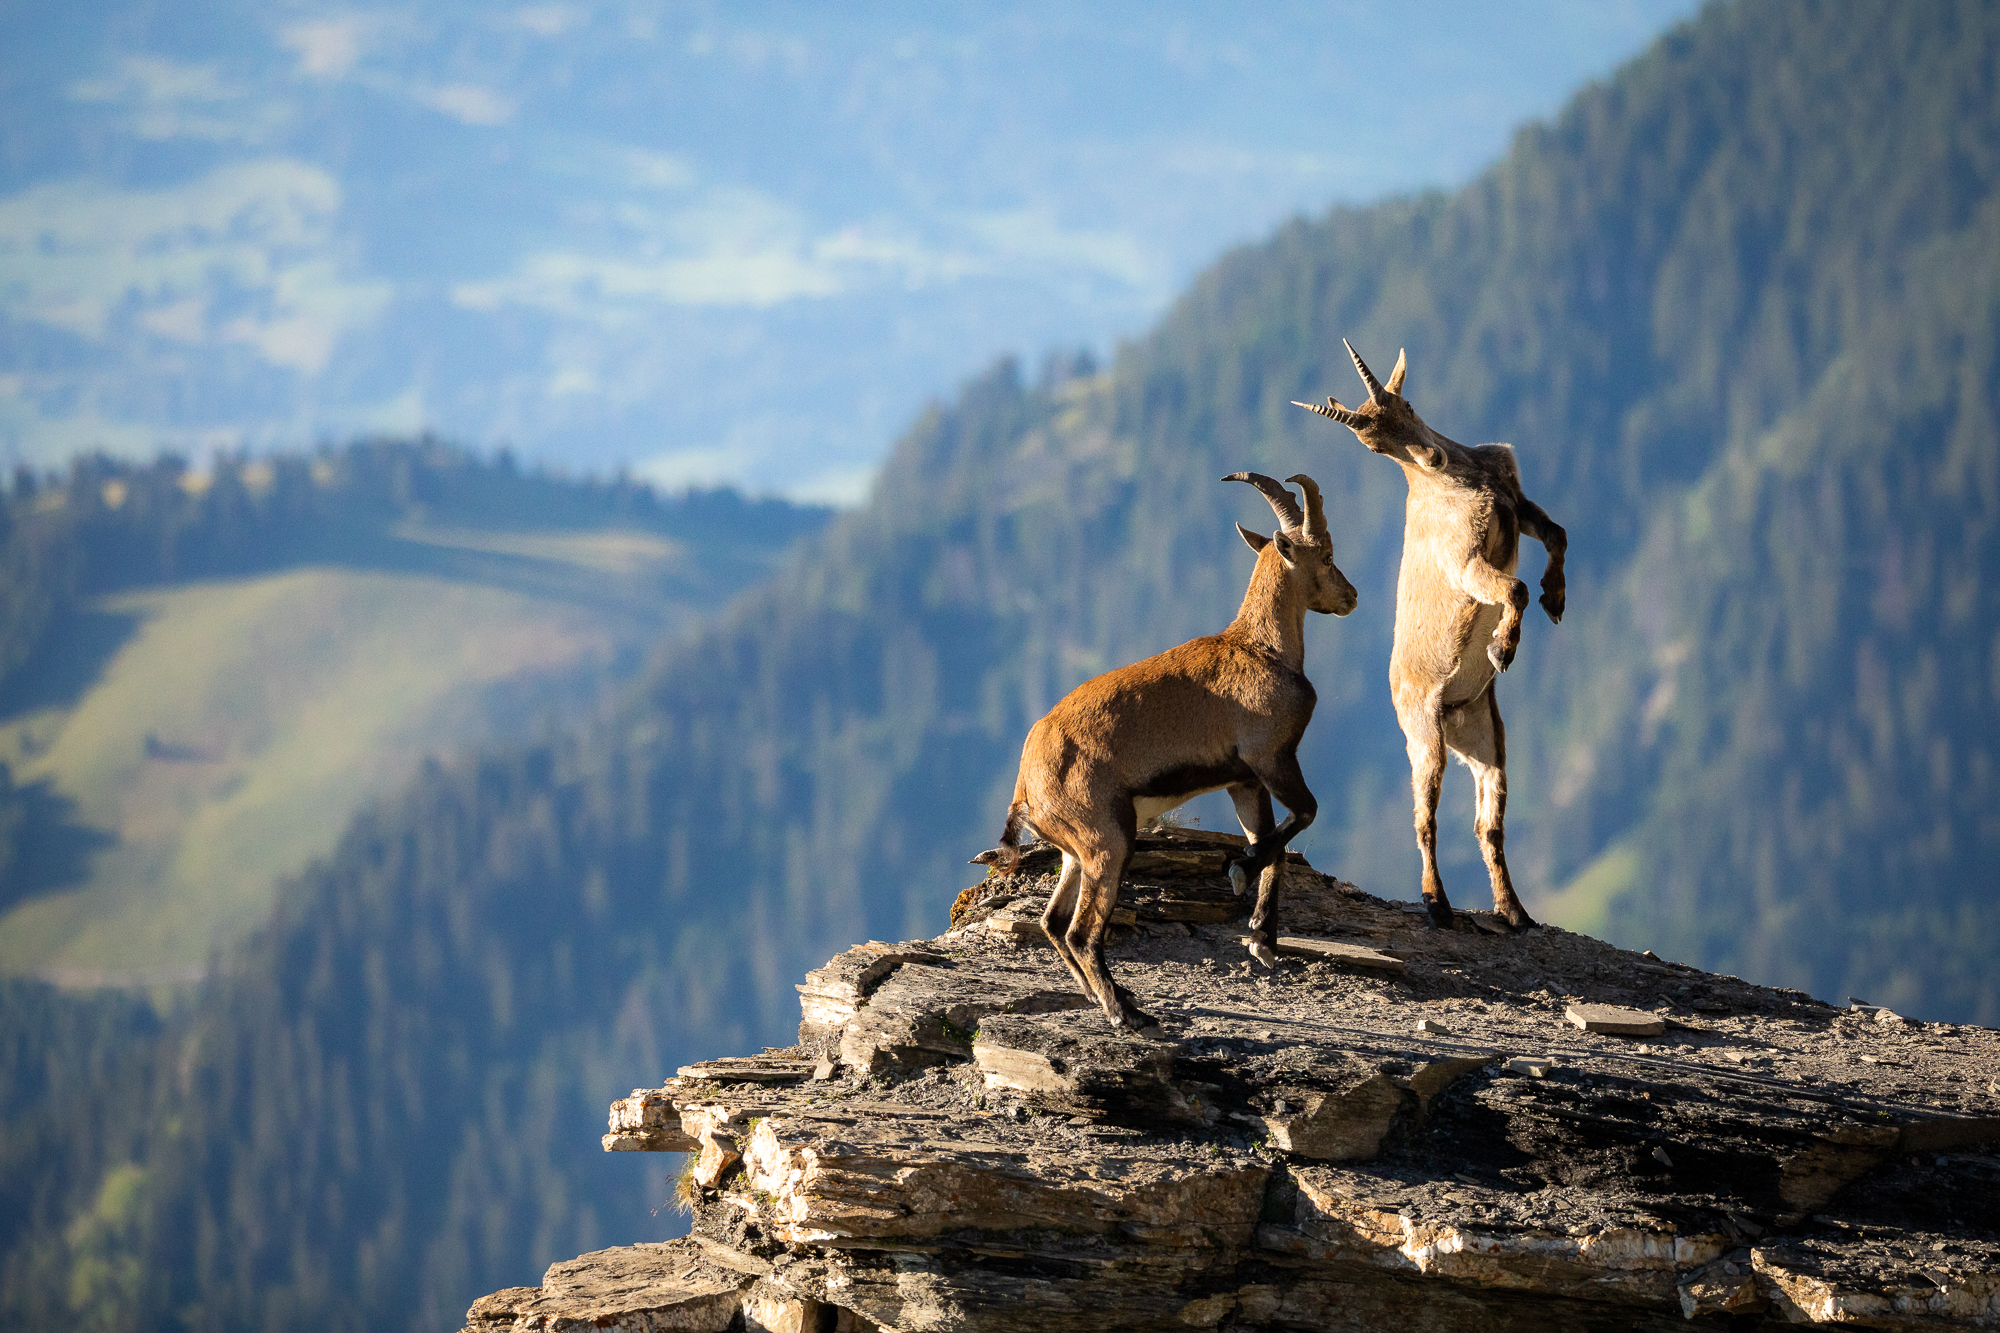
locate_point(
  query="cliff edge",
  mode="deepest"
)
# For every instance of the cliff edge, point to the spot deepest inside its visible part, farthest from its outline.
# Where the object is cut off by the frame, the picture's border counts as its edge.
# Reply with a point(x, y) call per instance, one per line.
point(1397, 1128)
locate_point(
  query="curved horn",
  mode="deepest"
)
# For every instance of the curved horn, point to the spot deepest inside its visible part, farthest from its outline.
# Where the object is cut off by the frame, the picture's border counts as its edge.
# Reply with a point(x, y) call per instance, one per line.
point(1334, 410)
point(1367, 375)
point(1281, 500)
point(1402, 369)
point(1315, 514)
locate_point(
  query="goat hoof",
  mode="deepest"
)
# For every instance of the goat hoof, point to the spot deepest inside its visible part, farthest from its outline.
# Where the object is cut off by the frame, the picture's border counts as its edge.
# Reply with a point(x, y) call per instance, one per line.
point(1262, 952)
point(1518, 918)
point(1140, 1023)
point(1239, 878)
point(1441, 915)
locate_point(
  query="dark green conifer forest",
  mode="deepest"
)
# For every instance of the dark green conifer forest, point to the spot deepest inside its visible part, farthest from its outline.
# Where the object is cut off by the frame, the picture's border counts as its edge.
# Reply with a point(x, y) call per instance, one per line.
point(1738, 308)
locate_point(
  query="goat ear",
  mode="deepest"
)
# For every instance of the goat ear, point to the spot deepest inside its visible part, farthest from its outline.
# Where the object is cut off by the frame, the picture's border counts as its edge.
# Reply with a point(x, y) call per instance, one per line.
point(1255, 541)
point(1402, 369)
point(1287, 549)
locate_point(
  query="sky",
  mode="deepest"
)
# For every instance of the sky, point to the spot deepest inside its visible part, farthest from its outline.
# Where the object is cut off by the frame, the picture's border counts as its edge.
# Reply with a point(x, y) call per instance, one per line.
point(705, 243)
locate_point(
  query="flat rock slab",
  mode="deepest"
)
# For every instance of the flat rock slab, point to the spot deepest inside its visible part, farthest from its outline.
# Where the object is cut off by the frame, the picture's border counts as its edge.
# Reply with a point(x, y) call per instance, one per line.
point(690, 1285)
point(1071, 1063)
point(637, 1286)
point(924, 1015)
point(1612, 1021)
point(833, 994)
point(751, 1069)
point(1336, 951)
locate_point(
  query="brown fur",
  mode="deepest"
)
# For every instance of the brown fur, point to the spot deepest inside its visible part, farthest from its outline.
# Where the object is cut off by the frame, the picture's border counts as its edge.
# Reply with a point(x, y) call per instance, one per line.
point(1224, 712)
point(1458, 614)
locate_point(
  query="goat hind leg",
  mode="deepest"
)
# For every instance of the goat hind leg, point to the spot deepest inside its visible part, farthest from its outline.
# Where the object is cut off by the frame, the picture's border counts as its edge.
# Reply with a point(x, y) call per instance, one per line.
point(1476, 734)
point(1423, 735)
point(1098, 895)
point(1058, 916)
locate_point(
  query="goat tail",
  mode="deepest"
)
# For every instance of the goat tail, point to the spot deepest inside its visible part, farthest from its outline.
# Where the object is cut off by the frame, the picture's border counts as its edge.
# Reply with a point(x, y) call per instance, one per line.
point(1007, 855)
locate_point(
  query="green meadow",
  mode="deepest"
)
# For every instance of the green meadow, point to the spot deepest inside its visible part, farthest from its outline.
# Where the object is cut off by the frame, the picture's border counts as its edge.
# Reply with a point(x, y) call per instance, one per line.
point(233, 734)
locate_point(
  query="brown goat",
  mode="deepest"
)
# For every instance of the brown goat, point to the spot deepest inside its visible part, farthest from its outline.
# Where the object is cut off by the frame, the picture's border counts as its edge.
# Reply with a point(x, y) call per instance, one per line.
point(1221, 713)
point(1458, 613)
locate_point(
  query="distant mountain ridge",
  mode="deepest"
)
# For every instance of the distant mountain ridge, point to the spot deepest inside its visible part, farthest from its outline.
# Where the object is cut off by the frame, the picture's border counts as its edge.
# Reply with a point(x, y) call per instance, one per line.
point(1734, 308)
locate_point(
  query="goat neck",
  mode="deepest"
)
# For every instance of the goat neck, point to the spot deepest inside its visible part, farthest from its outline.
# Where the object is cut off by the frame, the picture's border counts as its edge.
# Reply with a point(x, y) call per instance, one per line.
point(1273, 614)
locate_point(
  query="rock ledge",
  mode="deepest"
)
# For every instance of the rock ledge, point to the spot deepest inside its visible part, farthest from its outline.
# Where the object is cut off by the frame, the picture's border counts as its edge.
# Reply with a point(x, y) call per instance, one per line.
point(1409, 1131)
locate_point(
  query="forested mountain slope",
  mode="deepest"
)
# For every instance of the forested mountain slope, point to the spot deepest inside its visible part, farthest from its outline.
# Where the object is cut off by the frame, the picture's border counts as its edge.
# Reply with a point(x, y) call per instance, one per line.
point(1736, 308)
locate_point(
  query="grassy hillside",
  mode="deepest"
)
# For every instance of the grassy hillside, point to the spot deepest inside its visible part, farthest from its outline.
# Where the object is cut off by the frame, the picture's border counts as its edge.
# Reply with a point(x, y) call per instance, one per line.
point(232, 737)
point(1735, 308)
point(179, 748)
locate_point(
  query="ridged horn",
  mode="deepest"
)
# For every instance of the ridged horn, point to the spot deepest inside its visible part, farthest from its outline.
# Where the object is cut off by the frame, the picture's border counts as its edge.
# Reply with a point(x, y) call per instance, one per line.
point(1367, 375)
point(1334, 410)
point(1402, 369)
point(1315, 513)
point(1281, 499)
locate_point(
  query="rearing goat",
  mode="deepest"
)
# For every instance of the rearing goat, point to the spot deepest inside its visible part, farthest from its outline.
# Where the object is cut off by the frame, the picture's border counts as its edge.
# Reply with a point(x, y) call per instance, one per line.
point(1219, 713)
point(1458, 613)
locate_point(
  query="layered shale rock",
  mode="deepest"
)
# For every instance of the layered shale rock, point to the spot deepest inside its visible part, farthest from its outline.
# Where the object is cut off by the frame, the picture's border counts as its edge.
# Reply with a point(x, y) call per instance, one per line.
point(1398, 1128)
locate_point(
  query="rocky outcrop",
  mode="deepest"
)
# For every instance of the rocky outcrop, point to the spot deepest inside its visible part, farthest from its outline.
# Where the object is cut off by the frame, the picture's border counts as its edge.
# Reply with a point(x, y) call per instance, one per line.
point(1396, 1128)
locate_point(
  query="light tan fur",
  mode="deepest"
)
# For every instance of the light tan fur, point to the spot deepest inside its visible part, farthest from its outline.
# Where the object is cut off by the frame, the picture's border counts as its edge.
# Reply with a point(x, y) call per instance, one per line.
point(1458, 613)
point(1221, 713)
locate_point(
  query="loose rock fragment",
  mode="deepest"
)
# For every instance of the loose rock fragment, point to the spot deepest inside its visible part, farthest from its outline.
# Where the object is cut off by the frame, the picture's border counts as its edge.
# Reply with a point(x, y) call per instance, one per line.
point(1070, 1062)
point(1613, 1021)
point(833, 994)
point(1337, 951)
point(1345, 1122)
point(718, 1154)
point(1716, 1290)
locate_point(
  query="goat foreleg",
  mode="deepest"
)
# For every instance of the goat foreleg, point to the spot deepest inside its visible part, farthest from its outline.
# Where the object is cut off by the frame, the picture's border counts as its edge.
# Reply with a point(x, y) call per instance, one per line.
point(1536, 523)
point(1253, 811)
point(1495, 587)
point(1281, 779)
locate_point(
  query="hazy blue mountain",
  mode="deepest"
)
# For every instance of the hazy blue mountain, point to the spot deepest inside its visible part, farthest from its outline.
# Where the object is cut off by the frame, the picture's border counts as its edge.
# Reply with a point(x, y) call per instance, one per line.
point(740, 244)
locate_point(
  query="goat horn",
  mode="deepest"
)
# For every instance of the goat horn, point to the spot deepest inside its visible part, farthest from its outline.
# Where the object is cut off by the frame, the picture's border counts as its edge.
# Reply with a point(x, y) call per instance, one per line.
point(1315, 514)
point(1281, 499)
point(1367, 375)
point(1402, 369)
point(1334, 410)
